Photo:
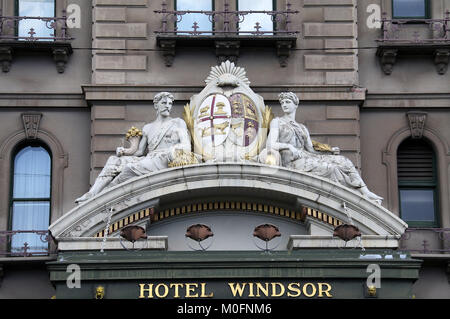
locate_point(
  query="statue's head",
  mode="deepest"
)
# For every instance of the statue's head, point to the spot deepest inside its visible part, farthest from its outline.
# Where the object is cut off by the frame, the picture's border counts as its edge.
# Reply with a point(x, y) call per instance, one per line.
point(290, 96)
point(163, 103)
point(288, 101)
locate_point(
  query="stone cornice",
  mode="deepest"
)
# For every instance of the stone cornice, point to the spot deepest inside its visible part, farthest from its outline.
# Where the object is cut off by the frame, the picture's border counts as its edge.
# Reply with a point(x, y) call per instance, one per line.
point(324, 195)
point(407, 100)
point(40, 100)
point(184, 92)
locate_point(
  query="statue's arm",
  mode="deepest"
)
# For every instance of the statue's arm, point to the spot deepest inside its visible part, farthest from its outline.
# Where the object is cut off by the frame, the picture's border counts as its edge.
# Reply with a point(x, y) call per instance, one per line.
point(308, 143)
point(273, 138)
point(309, 146)
point(142, 145)
point(183, 135)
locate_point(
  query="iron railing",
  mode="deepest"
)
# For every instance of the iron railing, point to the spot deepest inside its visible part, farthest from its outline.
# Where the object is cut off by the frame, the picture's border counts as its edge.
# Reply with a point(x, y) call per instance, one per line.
point(393, 30)
point(440, 237)
point(10, 249)
point(226, 22)
point(9, 26)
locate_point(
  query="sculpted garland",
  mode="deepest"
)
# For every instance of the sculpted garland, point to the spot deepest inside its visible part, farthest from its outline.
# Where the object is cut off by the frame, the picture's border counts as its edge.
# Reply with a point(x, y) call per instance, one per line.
point(227, 122)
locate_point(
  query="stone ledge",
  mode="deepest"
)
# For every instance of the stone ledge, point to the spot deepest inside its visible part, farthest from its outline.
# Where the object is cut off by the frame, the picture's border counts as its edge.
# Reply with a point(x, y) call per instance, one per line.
point(122, 92)
point(317, 193)
point(112, 243)
point(327, 242)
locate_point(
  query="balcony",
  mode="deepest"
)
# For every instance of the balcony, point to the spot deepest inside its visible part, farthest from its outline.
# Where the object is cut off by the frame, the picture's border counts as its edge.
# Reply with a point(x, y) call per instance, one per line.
point(414, 37)
point(225, 34)
point(426, 241)
point(26, 243)
point(12, 41)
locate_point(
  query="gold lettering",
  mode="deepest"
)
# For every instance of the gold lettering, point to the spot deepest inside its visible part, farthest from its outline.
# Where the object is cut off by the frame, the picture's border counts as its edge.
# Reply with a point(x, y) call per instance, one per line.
point(190, 289)
point(236, 288)
point(166, 291)
point(203, 294)
point(176, 295)
point(293, 289)
point(250, 290)
point(322, 291)
point(305, 290)
point(259, 288)
point(149, 289)
point(274, 289)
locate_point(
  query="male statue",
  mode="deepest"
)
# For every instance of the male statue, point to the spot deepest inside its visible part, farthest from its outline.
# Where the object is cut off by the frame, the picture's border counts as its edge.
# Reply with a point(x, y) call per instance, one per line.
point(161, 142)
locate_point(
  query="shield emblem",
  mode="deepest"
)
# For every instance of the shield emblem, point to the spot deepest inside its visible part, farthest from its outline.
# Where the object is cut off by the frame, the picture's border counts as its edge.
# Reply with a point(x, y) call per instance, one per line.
point(213, 119)
point(244, 123)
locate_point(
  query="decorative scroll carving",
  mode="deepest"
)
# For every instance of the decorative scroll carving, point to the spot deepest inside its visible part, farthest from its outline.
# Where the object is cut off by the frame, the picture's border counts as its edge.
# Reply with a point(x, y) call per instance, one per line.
point(227, 50)
point(31, 124)
point(169, 51)
point(441, 58)
point(283, 52)
point(5, 58)
point(60, 56)
point(387, 59)
point(417, 123)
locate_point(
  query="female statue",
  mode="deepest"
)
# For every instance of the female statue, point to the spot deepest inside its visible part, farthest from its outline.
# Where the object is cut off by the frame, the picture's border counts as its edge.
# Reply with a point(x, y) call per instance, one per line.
point(291, 143)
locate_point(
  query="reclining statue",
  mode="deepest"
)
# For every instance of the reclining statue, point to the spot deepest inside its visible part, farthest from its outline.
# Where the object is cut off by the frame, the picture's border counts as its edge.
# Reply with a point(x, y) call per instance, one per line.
point(289, 145)
point(163, 141)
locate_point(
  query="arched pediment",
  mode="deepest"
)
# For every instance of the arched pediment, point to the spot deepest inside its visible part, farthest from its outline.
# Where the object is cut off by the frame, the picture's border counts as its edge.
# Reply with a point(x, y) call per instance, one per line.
point(228, 179)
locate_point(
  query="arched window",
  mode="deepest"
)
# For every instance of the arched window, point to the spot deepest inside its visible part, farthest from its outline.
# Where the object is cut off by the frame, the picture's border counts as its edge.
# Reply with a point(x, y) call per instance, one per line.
point(31, 196)
point(35, 8)
point(417, 183)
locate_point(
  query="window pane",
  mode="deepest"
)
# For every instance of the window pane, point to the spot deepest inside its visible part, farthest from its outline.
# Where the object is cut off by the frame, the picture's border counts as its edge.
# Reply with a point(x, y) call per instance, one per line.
point(409, 8)
point(32, 167)
point(250, 20)
point(417, 204)
point(29, 216)
point(188, 20)
point(36, 8)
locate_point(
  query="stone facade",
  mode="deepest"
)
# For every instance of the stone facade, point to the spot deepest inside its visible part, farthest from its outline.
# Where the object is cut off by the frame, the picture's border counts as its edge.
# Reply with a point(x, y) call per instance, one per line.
point(118, 64)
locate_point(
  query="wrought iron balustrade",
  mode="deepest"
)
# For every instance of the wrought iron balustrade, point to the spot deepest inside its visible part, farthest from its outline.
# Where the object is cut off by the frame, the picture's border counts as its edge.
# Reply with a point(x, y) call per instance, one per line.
point(414, 37)
point(426, 240)
point(57, 26)
point(394, 30)
point(14, 39)
point(226, 22)
point(9, 247)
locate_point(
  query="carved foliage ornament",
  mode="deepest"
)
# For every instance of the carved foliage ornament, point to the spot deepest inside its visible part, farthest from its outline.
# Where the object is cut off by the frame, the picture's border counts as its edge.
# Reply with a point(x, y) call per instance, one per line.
point(31, 124)
point(417, 123)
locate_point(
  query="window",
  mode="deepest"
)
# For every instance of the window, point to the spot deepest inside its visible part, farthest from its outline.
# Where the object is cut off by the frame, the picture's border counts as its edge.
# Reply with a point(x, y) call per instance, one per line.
point(188, 20)
point(35, 8)
point(30, 198)
point(417, 183)
point(416, 9)
point(264, 21)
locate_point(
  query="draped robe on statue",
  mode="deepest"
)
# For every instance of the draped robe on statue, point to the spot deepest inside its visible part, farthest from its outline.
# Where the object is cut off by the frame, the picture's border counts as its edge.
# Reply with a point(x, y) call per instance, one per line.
point(159, 151)
point(335, 167)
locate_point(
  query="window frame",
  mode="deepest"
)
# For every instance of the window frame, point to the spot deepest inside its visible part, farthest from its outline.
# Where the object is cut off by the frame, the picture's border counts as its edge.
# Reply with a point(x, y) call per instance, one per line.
point(15, 152)
point(420, 185)
point(426, 16)
point(274, 8)
point(16, 13)
point(213, 8)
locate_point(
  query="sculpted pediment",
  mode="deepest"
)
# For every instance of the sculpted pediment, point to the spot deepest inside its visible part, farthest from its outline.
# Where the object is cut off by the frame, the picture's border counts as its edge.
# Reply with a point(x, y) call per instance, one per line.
point(132, 201)
point(228, 156)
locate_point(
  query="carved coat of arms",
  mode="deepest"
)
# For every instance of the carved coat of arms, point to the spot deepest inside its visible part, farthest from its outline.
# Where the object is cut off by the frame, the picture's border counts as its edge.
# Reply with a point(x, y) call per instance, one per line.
point(227, 120)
